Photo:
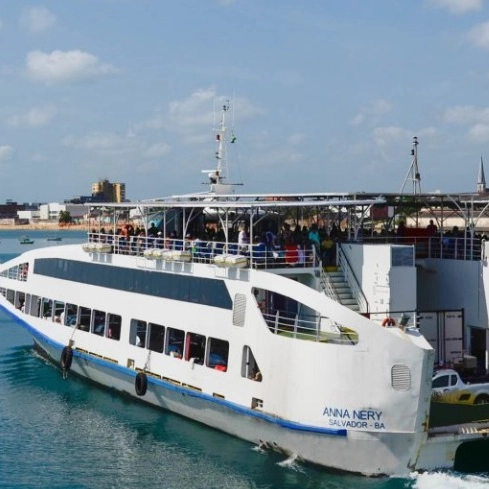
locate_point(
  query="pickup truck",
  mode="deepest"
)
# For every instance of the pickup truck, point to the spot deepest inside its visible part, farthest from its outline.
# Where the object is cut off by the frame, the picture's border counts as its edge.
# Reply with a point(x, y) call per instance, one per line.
point(449, 387)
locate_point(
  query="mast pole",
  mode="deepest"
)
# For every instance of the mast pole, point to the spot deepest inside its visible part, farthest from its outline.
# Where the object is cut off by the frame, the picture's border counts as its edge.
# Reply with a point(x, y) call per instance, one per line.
point(221, 166)
point(413, 174)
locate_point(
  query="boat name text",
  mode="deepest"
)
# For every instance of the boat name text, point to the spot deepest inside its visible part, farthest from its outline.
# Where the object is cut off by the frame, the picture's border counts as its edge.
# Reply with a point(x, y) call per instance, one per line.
point(355, 418)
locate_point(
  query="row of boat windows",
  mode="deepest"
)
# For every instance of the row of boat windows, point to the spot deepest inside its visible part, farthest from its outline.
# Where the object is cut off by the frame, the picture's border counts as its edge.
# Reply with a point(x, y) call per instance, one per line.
point(18, 272)
point(176, 343)
point(190, 289)
point(283, 315)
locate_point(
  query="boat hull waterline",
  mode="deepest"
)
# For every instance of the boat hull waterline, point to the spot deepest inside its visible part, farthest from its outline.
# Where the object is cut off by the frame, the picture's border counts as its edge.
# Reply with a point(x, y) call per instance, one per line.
point(388, 452)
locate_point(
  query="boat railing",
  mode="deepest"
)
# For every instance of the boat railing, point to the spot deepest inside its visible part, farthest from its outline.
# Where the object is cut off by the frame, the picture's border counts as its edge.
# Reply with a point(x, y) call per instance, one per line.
point(308, 327)
point(445, 247)
point(351, 279)
point(327, 285)
point(231, 254)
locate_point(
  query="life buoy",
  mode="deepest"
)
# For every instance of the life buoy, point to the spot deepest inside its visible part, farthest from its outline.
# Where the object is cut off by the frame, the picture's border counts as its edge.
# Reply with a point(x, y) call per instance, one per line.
point(141, 383)
point(66, 358)
point(388, 322)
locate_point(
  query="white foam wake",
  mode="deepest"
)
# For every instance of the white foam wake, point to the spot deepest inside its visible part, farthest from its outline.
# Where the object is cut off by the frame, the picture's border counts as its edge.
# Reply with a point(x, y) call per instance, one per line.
point(443, 480)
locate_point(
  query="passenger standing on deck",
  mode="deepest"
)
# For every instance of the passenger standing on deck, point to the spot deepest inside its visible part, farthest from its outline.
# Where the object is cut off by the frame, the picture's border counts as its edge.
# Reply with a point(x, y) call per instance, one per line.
point(243, 239)
point(153, 230)
point(431, 228)
point(313, 237)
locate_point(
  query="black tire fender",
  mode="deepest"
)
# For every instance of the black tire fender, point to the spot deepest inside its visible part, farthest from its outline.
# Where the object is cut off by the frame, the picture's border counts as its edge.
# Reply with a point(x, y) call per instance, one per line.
point(66, 358)
point(141, 383)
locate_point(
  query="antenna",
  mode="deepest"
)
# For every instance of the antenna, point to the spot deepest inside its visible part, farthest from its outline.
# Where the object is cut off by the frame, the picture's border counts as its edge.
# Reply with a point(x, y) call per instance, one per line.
point(413, 174)
point(219, 174)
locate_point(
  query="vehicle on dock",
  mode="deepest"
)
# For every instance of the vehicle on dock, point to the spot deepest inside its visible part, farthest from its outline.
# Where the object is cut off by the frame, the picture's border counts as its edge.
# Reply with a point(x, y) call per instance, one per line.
point(449, 387)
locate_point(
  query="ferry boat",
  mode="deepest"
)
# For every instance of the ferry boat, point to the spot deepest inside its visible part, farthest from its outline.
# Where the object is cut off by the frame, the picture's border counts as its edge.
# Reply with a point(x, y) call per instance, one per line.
point(220, 308)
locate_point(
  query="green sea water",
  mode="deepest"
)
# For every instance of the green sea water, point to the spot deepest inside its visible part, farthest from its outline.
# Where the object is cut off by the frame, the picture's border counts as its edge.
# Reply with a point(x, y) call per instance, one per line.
point(68, 433)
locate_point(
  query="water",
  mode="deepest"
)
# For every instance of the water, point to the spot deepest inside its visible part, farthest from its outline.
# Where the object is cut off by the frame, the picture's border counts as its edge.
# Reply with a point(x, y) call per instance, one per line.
point(57, 433)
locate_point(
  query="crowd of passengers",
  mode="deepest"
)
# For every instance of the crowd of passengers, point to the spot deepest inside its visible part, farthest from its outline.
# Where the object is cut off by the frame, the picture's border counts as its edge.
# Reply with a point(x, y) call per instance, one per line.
point(293, 245)
point(431, 241)
point(290, 244)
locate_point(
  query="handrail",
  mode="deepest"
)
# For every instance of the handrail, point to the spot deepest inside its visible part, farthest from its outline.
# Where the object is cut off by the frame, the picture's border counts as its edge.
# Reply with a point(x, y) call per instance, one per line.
point(299, 328)
point(327, 287)
point(218, 252)
point(352, 280)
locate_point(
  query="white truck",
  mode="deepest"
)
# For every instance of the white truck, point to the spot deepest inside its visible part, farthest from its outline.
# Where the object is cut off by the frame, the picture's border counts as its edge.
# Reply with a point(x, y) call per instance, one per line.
point(449, 387)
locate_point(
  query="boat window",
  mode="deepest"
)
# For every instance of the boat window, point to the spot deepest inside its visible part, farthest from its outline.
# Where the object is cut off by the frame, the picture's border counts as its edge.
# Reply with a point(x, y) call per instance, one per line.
point(198, 290)
point(84, 318)
point(20, 301)
point(174, 346)
point(33, 305)
point(10, 295)
point(156, 337)
point(59, 308)
point(249, 365)
point(114, 329)
point(290, 318)
point(70, 316)
point(98, 322)
point(402, 256)
point(218, 354)
point(138, 333)
point(195, 348)
point(23, 271)
point(46, 307)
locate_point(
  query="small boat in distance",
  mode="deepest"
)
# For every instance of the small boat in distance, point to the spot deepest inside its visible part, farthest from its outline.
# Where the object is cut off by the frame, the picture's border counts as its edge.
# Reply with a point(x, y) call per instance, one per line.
point(26, 240)
point(54, 238)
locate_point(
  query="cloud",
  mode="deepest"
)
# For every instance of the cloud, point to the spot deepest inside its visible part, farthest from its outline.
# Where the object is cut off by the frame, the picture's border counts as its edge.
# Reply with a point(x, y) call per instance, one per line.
point(385, 135)
point(372, 113)
point(458, 6)
point(199, 110)
point(65, 67)
point(466, 114)
point(37, 19)
point(205, 105)
point(94, 141)
point(479, 132)
point(36, 117)
point(296, 139)
point(157, 150)
point(479, 35)
point(6, 153)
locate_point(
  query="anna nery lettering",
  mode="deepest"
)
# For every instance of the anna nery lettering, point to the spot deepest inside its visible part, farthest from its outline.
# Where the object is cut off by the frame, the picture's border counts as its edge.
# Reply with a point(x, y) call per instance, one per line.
point(361, 414)
point(356, 418)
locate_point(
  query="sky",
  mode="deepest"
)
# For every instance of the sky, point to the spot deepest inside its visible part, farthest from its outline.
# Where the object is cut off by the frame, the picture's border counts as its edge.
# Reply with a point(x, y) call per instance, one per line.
point(324, 95)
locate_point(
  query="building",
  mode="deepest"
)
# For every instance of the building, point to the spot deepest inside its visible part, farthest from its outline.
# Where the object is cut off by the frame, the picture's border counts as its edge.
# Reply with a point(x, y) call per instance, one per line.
point(104, 191)
point(51, 212)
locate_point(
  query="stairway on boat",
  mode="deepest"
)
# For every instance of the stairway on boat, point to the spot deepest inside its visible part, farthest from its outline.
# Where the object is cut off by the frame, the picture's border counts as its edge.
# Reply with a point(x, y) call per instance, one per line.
point(337, 288)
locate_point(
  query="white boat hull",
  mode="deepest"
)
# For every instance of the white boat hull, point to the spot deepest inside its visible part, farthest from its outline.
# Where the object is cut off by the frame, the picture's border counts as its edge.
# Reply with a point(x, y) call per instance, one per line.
point(336, 449)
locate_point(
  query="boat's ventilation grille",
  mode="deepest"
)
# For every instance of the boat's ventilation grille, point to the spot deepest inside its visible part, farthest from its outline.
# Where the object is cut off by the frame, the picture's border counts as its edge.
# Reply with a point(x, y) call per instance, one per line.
point(401, 377)
point(239, 309)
